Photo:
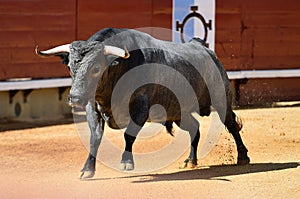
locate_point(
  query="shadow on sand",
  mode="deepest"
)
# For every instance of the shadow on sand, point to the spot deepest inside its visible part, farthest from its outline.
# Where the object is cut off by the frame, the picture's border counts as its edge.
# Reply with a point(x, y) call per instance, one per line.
point(218, 172)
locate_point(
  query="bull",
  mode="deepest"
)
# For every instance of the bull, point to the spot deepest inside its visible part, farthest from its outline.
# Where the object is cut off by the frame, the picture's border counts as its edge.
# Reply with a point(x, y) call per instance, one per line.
point(99, 63)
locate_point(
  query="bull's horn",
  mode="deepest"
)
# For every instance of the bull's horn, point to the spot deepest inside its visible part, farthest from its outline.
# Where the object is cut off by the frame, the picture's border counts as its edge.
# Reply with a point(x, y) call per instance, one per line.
point(53, 51)
point(112, 50)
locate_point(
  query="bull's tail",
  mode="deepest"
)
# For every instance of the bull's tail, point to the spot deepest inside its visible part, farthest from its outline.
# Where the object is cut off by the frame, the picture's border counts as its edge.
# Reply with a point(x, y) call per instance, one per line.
point(169, 127)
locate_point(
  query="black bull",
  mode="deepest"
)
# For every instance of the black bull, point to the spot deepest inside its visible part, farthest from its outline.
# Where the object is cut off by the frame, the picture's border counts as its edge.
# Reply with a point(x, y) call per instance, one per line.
point(183, 78)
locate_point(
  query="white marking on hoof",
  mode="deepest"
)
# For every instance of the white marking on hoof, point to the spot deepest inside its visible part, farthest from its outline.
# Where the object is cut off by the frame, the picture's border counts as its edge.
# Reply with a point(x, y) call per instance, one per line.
point(87, 175)
point(126, 166)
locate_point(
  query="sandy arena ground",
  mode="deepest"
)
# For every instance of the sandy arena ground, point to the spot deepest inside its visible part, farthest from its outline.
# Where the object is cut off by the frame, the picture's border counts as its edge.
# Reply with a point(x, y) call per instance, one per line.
point(44, 162)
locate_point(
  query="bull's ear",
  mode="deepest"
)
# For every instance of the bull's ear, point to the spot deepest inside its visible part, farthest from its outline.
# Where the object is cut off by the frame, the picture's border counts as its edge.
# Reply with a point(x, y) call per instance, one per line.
point(112, 50)
point(64, 58)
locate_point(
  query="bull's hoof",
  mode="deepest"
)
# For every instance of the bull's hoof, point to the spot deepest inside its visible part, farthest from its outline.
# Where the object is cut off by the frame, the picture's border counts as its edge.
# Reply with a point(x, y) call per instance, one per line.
point(243, 161)
point(126, 166)
point(188, 164)
point(127, 163)
point(87, 174)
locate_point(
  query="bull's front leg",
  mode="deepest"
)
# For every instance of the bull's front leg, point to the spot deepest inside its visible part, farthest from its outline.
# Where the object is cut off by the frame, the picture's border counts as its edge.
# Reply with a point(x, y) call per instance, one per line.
point(96, 125)
point(139, 112)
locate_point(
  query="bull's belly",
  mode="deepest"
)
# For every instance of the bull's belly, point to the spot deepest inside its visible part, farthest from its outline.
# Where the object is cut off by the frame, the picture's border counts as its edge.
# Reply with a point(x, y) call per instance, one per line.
point(114, 125)
point(156, 115)
point(162, 109)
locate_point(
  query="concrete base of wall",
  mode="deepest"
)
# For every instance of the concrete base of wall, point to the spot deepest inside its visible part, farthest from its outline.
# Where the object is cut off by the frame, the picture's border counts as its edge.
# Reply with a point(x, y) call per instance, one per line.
point(37, 104)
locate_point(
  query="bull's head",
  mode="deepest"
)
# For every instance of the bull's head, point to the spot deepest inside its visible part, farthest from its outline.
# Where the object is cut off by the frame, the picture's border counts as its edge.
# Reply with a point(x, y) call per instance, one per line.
point(86, 62)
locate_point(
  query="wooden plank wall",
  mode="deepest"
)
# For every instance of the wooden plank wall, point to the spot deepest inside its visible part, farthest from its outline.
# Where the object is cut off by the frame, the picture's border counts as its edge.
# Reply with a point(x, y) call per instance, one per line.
point(258, 34)
point(25, 24)
point(94, 15)
point(249, 34)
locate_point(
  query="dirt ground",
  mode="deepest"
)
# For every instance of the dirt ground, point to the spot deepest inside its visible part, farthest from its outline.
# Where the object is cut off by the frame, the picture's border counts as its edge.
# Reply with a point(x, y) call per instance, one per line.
point(45, 162)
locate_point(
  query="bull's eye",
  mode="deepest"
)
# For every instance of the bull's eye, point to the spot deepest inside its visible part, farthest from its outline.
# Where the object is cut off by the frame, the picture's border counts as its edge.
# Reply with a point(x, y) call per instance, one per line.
point(114, 63)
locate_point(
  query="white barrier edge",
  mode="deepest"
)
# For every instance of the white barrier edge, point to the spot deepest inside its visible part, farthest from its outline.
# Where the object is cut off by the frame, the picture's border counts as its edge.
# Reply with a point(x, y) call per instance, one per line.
point(35, 84)
point(263, 74)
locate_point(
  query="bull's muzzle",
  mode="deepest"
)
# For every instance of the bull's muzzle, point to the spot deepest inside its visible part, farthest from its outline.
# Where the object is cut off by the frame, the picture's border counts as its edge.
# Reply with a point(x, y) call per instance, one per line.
point(77, 101)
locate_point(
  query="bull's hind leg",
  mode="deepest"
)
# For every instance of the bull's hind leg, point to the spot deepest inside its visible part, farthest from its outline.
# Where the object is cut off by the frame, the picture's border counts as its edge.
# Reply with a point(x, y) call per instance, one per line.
point(139, 111)
point(192, 126)
point(234, 127)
